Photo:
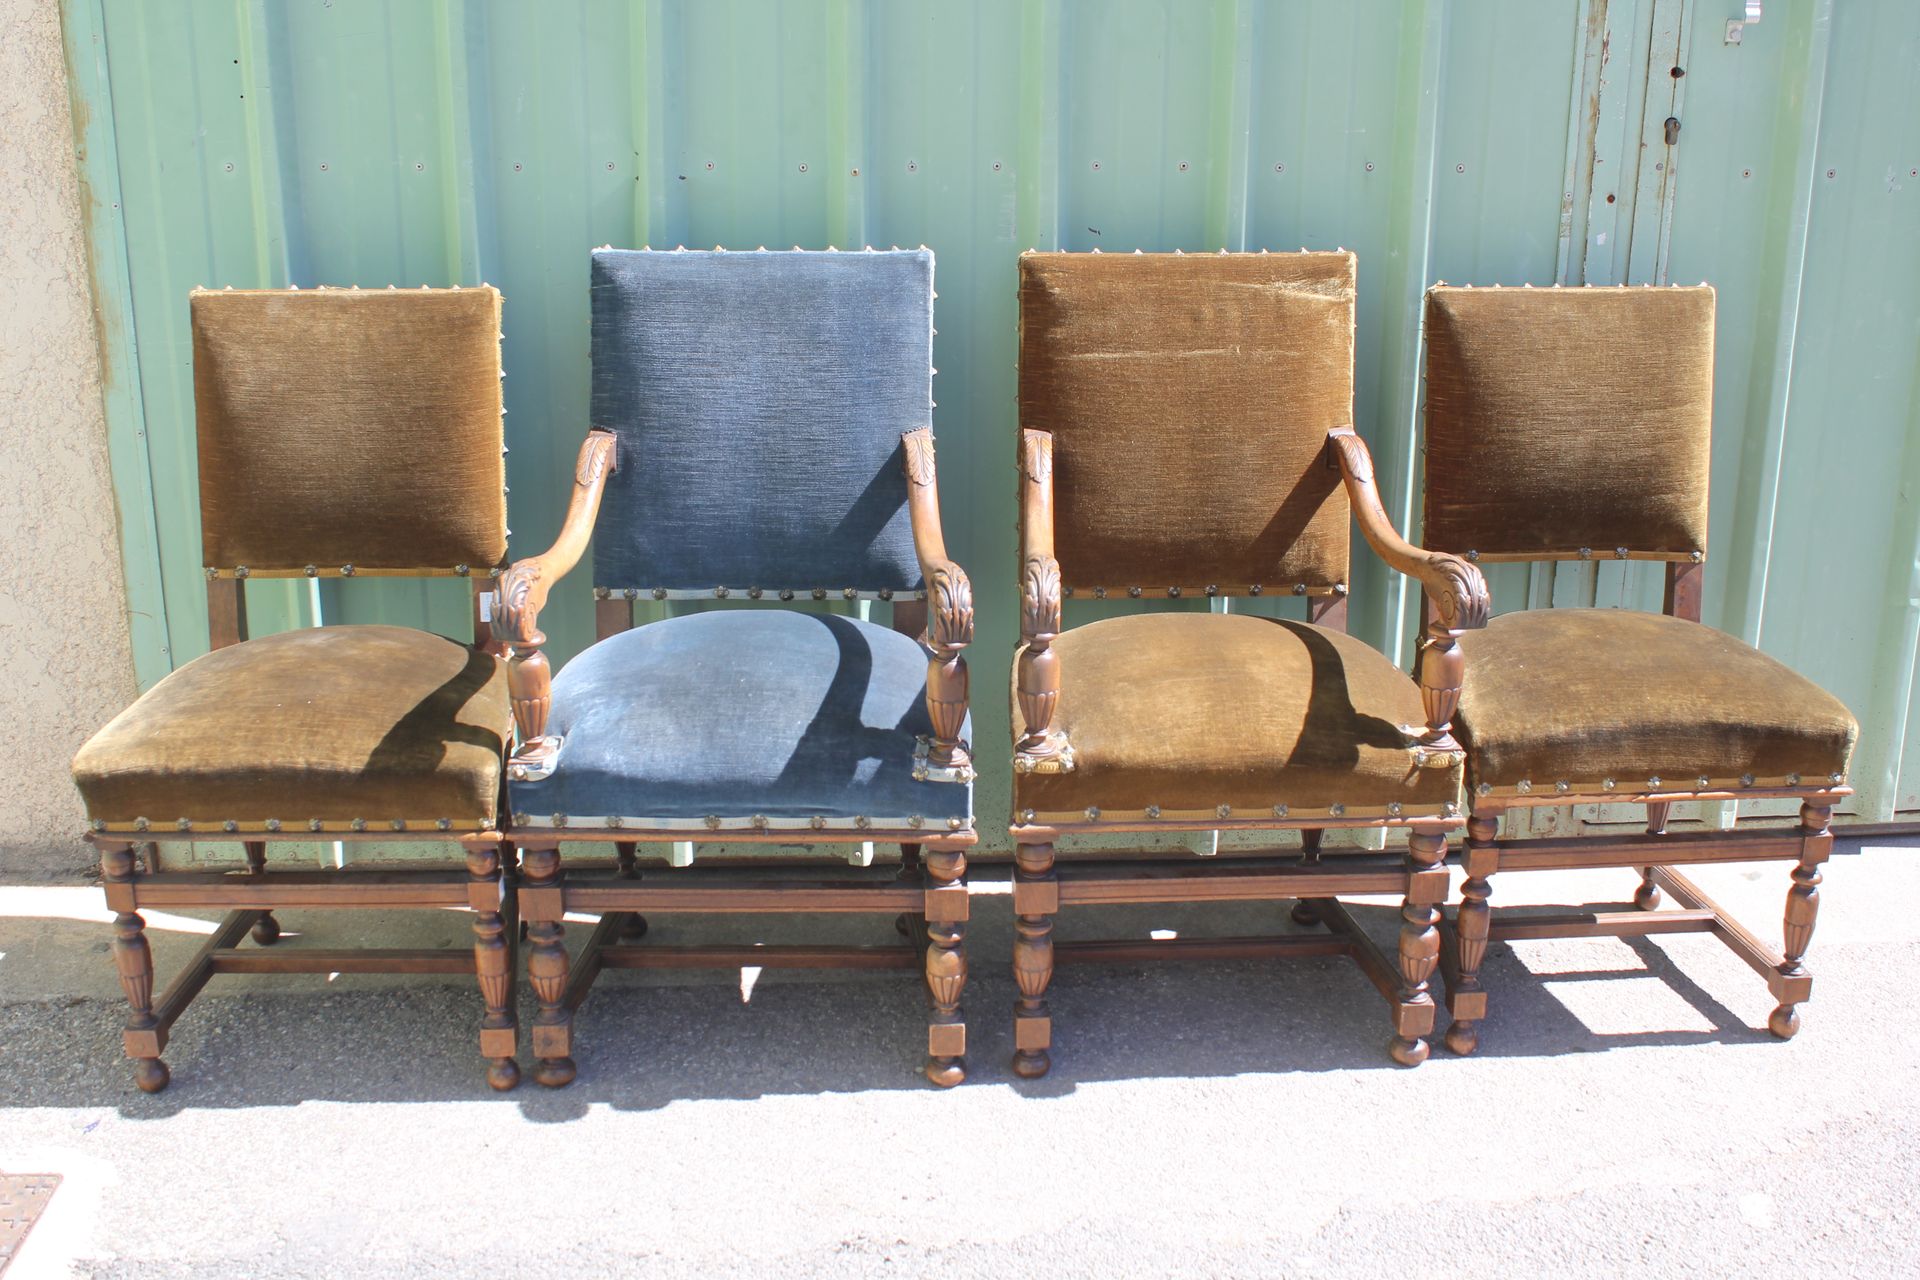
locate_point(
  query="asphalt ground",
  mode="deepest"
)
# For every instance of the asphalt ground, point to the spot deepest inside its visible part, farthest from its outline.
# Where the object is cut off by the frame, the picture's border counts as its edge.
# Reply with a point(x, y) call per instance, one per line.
point(1627, 1110)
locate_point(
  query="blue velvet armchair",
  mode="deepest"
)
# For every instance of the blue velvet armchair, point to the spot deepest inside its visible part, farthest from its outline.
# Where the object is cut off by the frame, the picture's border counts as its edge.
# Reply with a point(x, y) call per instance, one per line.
point(761, 442)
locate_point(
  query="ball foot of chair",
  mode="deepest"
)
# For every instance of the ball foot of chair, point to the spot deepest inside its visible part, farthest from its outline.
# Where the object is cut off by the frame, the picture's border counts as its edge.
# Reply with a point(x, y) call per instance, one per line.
point(1647, 896)
point(1031, 1064)
point(554, 1073)
point(1784, 1022)
point(150, 1074)
point(265, 931)
point(1463, 1038)
point(1306, 913)
point(633, 928)
point(502, 1074)
point(946, 1072)
point(1408, 1052)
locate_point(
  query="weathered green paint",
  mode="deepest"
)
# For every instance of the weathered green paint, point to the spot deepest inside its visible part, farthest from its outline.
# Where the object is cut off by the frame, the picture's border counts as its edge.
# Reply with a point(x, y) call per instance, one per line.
point(252, 142)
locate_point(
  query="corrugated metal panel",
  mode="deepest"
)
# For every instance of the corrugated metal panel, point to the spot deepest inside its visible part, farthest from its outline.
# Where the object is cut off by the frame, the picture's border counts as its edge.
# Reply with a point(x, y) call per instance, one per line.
point(356, 142)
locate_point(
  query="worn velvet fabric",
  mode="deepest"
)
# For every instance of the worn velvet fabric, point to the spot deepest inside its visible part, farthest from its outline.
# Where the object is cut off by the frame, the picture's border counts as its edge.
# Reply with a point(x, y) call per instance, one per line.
point(349, 426)
point(1189, 397)
point(1191, 711)
point(1566, 418)
point(743, 712)
point(1582, 695)
point(759, 400)
point(336, 723)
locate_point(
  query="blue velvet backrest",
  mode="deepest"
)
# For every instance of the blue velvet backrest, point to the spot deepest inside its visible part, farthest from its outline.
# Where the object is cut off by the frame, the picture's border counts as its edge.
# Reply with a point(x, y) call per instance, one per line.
point(758, 399)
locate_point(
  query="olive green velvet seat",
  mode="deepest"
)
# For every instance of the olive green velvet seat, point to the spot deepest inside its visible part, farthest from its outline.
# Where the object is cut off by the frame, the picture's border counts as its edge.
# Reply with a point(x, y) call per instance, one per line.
point(328, 726)
point(1182, 713)
point(1585, 701)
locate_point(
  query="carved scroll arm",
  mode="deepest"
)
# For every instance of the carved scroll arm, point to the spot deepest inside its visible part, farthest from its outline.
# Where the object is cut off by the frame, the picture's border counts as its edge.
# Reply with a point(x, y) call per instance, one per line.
point(1458, 589)
point(1040, 748)
point(523, 593)
point(949, 614)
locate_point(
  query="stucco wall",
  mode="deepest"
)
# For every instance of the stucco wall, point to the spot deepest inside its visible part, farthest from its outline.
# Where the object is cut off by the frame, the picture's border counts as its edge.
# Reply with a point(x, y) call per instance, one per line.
point(65, 661)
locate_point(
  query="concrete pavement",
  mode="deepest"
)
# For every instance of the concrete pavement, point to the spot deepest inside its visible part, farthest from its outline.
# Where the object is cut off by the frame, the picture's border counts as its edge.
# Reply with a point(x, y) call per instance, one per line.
point(1627, 1111)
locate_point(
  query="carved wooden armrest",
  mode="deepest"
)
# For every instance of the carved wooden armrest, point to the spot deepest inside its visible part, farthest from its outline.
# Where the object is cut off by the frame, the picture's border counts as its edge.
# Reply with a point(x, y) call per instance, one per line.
point(1041, 748)
point(949, 618)
point(523, 593)
point(1457, 588)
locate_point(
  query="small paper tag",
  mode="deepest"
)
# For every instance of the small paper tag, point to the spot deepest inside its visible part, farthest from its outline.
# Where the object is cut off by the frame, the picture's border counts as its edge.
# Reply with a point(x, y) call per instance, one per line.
point(486, 606)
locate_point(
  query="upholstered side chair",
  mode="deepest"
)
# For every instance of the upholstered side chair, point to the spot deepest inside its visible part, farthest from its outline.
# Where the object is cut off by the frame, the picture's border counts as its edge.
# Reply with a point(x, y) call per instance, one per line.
point(1576, 425)
point(1187, 434)
point(761, 437)
point(342, 434)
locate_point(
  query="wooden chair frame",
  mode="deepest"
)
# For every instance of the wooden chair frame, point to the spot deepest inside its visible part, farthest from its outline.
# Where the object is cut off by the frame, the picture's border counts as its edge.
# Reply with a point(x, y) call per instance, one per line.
point(253, 894)
point(1656, 854)
point(927, 894)
point(1041, 889)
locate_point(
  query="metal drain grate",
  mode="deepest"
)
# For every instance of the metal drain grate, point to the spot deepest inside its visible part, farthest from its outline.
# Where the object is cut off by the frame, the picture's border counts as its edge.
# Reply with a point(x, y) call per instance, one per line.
point(23, 1198)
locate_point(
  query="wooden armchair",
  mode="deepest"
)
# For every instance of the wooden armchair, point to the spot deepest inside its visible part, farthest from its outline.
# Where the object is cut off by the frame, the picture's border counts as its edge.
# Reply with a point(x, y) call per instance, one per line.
point(733, 467)
point(342, 434)
point(1575, 426)
point(1187, 435)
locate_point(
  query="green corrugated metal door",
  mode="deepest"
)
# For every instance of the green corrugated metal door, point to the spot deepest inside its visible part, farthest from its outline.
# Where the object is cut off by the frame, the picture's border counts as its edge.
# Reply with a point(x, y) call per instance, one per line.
point(249, 142)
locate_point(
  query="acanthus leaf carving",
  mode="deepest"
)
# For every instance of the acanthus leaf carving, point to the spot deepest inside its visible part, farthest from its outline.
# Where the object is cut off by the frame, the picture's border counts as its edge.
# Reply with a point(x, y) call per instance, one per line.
point(1036, 456)
point(1040, 597)
point(1464, 602)
point(516, 618)
point(919, 447)
point(950, 617)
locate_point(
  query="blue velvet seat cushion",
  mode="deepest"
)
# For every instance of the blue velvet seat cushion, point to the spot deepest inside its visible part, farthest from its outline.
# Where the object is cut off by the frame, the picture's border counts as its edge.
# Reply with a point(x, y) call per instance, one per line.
point(758, 399)
point(743, 712)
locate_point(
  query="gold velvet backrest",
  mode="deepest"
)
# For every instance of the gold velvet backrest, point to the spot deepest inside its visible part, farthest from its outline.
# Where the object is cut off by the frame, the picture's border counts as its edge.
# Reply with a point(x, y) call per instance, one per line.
point(349, 427)
point(1569, 423)
point(1189, 398)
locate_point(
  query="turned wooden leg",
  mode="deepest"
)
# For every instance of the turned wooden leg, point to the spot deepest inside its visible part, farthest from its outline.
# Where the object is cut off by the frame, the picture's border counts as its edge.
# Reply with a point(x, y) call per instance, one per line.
point(1419, 947)
point(493, 963)
point(1036, 900)
point(1803, 909)
point(634, 927)
point(946, 965)
point(133, 960)
point(1466, 1000)
point(266, 930)
point(547, 967)
point(1647, 896)
point(1306, 911)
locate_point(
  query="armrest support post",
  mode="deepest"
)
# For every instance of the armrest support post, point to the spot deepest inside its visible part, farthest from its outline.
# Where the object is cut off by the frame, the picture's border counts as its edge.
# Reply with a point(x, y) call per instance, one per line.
point(949, 627)
point(523, 593)
point(1456, 588)
point(1040, 749)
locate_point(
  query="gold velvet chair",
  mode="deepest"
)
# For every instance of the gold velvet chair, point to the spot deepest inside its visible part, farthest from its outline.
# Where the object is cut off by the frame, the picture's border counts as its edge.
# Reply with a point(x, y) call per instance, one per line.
point(1187, 434)
point(342, 434)
point(1576, 425)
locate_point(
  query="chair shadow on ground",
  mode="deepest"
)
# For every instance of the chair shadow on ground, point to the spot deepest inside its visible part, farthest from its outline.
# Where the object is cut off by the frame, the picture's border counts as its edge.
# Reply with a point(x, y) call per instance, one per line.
point(644, 1041)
